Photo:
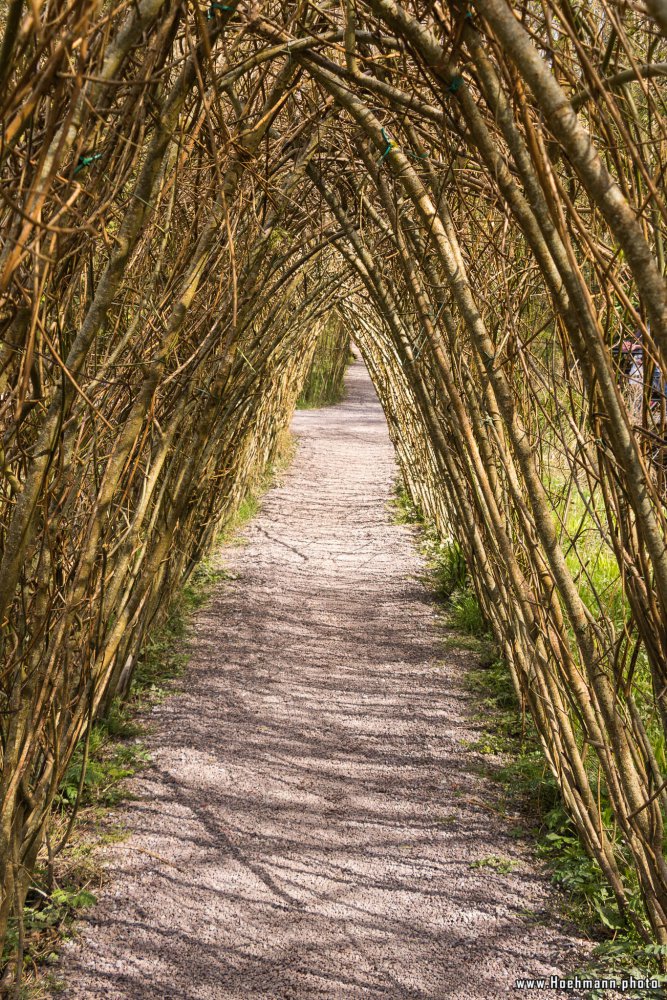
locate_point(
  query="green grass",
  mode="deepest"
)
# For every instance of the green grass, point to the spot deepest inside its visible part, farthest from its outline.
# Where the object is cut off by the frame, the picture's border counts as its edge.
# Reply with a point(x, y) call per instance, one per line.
point(447, 571)
point(404, 510)
point(247, 509)
point(47, 919)
point(465, 613)
point(109, 764)
point(501, 865)
point(250, 504)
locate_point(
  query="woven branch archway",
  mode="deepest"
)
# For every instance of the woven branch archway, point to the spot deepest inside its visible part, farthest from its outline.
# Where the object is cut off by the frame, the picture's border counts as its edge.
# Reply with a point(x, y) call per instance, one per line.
point(477, 192)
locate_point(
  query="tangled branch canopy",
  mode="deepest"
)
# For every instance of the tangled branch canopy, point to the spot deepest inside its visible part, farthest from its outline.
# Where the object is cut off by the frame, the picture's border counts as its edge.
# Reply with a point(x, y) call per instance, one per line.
point(191, 194)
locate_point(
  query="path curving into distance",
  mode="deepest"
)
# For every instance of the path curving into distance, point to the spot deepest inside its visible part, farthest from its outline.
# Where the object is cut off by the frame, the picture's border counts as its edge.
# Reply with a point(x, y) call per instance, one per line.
point(311, 817)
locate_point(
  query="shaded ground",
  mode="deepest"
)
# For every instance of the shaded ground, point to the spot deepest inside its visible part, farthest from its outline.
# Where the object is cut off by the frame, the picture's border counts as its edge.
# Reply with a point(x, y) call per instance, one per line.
point(308, 825)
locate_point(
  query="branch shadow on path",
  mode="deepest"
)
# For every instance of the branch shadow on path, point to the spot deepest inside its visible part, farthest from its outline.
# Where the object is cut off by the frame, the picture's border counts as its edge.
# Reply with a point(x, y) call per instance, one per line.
point(310, 822)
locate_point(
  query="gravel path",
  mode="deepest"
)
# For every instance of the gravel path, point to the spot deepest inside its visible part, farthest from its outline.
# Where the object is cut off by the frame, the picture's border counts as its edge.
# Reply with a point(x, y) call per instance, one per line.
point(312, 814)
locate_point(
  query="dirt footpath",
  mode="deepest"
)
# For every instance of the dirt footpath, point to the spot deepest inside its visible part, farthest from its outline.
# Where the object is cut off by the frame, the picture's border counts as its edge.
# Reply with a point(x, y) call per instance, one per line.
point(312, 814)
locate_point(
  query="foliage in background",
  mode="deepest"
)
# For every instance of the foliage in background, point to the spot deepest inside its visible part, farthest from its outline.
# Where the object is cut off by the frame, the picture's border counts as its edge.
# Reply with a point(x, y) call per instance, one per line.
point(324, 384)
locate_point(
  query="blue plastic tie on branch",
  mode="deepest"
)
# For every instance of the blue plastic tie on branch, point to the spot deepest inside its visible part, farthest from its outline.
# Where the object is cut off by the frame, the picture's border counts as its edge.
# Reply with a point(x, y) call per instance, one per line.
point(456, 84)
point(85, 161)
point(215, 7)
point(390, 146)
point(393, 145)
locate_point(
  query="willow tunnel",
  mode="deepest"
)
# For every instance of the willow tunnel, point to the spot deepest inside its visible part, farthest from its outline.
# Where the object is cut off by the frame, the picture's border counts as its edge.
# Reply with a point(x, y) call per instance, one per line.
point(475, 194)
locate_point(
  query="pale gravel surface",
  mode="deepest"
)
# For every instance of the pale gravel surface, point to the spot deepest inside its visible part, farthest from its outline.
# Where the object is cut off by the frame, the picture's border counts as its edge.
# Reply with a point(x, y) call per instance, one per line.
point(308, 824)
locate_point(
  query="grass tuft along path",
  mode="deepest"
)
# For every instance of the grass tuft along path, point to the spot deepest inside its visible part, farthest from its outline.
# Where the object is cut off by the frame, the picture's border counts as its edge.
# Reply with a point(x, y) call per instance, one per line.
point(313, 823)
